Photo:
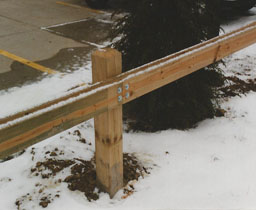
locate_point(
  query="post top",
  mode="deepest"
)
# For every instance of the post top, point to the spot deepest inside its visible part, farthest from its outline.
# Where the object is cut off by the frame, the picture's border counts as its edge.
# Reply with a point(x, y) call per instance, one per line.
point(106, 52)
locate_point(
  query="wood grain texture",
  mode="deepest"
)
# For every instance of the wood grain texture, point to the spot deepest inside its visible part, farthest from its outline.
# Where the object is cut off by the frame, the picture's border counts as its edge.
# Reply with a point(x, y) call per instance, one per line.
point(98, 99)
point(38, 128)
point(108, 125)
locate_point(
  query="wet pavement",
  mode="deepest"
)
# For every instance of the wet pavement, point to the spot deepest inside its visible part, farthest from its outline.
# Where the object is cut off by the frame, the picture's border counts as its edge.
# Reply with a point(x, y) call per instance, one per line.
point(93, 30)
point(53, 35)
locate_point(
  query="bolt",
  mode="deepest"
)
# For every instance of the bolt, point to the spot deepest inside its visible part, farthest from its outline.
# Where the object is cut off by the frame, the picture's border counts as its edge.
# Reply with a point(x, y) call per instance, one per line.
point(120, 98)
point(127, 95)
point(119, 90)
point(126, 86)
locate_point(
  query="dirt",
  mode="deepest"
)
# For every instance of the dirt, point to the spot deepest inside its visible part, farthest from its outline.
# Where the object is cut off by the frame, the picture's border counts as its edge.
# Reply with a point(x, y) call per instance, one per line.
point(80, 138)
point(83, 179)
point(237, 87)
point(52, 165)
point(44, 199)
point(133, 169)
point(82, 176)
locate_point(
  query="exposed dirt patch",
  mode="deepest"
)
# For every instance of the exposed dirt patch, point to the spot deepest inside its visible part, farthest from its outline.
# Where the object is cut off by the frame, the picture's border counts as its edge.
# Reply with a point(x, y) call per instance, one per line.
point(78, 134)
point(82, 176)
point(50, 167)
point(44, 201)
point(237, 87)
point(43, 198)
point(83, 179)
point(133, 169)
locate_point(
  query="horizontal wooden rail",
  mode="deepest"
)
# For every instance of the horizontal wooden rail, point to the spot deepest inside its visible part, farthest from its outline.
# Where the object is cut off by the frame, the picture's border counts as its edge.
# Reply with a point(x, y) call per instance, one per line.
point(26, 128)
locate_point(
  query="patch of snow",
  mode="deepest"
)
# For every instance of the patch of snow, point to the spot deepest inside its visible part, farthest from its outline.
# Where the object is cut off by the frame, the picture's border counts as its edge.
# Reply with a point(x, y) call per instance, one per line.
point(63, 24)
point(240, 21)
point(47, 89)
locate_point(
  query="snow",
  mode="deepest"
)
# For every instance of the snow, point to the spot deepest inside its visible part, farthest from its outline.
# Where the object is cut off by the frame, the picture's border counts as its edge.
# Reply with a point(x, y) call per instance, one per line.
point(210, 167)
point(63, 24)
point(37, 93)
point(240, 22)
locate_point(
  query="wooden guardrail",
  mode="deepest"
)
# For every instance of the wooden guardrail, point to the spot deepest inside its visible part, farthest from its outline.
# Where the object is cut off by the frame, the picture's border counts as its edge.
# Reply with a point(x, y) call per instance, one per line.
point(103, 100)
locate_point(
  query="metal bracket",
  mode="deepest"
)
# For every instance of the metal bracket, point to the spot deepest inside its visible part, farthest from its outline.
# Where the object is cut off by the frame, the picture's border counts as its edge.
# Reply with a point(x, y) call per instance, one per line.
point(120, 91)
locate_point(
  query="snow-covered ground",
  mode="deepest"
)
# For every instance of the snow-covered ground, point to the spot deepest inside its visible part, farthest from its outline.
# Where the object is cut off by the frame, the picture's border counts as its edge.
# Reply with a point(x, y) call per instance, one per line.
point(48, 89)
point(210, 167)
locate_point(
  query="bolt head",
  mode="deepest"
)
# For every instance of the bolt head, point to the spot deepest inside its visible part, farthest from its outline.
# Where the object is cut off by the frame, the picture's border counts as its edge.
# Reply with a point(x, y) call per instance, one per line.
point(120, 98)
point(127, 95)
point(119, 90)
point(126, 86)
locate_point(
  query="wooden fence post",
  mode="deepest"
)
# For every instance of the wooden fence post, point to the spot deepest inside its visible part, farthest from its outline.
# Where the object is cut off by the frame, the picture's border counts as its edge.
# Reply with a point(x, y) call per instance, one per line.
point(107, 63)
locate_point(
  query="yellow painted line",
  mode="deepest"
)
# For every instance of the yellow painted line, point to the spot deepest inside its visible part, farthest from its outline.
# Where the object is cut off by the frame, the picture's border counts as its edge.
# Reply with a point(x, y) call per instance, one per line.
point(27, 62)
point(80, 7)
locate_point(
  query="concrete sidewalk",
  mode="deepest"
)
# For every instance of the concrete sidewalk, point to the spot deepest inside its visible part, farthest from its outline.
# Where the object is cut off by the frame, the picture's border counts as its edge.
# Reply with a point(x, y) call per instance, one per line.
point(38, 31)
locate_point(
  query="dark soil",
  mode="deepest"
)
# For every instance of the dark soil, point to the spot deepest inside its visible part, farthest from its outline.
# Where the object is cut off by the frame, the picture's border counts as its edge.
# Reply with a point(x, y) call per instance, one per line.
point(237, 87)
point(83, 179)
point(44, 199)
point(133, 168)
point(52, 165)
point(83, 174)
point(80, 138)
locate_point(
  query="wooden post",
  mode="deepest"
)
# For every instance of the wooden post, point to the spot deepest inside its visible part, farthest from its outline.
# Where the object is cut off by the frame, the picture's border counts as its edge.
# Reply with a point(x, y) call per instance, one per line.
point(107, 63)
